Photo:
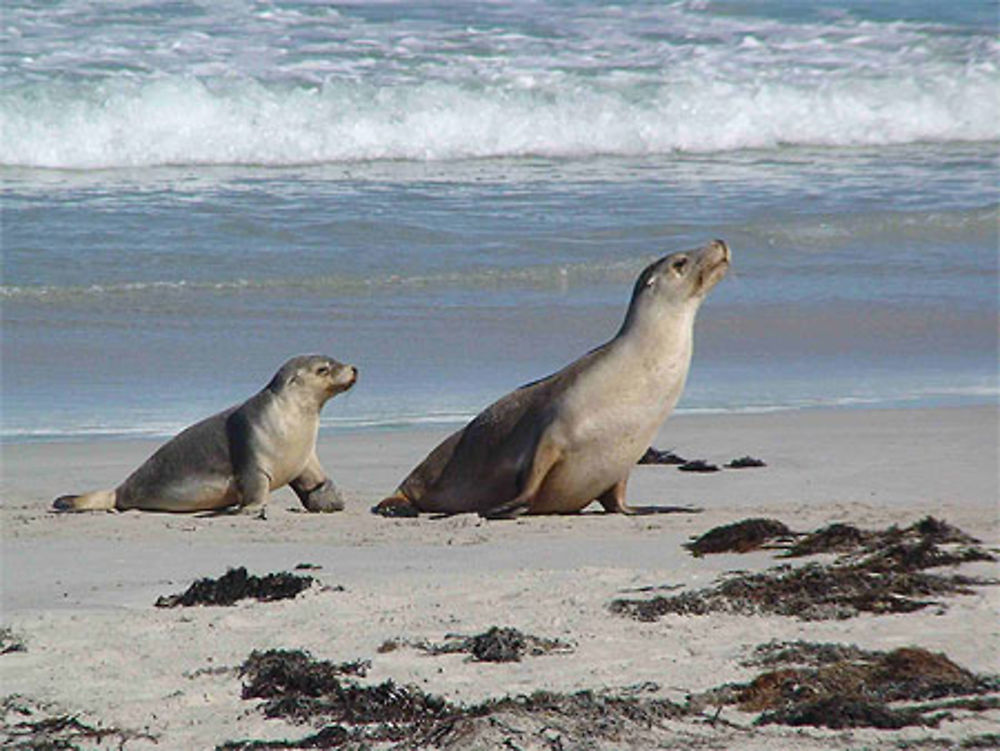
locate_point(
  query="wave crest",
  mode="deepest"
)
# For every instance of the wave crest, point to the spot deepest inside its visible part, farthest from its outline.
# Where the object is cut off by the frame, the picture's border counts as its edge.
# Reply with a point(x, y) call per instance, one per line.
point(191, 121)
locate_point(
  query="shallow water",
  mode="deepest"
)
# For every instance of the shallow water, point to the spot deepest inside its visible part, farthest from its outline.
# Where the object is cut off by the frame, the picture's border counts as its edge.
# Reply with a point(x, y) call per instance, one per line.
point(457, 200)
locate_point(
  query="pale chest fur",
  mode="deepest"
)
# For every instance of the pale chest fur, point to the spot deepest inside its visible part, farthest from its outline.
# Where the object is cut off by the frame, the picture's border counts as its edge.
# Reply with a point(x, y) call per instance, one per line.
point(285, 438)
point(609, 416)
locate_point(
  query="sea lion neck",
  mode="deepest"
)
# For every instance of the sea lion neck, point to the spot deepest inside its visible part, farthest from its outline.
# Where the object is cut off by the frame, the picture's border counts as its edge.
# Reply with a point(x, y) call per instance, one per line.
point(658, 326)
point(307, 401)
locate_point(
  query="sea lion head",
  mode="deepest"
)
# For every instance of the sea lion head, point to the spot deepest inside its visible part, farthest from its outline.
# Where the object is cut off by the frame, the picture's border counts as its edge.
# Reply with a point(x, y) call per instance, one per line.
point(681, 278)
point(315, 375)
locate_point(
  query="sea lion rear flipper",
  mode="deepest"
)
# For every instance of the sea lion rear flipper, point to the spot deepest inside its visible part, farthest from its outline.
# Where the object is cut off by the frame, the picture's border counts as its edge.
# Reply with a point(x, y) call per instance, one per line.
point(99, 500)
point(510, 510)
point(650, 510)
point(396, 505)
point(545, 457)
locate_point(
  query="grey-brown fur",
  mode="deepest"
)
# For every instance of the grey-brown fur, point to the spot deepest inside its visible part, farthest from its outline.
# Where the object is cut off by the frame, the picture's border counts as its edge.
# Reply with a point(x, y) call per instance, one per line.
point(237, 457)
point(534, 450)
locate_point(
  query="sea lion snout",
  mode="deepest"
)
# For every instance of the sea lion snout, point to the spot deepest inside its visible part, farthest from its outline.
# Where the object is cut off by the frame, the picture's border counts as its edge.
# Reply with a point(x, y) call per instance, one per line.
point(352, 376)
point(714, 260)
point(721, 245)
point(715, 252)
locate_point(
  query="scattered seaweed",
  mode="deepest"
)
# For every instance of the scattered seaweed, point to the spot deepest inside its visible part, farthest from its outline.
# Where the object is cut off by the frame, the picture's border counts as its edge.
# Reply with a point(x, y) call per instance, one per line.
point(849, 687)
point(801, 652)
point(824, 685)
point(986, 740)
point(746, 462)
point(582, 715)
point(300, 689)
point(280, 671)
point(839, 712)
point(27, 724)
point(297, 687)
point(10, 642)
point(876, 572)
point(698, 465)
point(655, 456)
point(919, 540)
point(834, 538)
point(236, 584)
point(738, 537)
point(811, 592)
point(498, 644)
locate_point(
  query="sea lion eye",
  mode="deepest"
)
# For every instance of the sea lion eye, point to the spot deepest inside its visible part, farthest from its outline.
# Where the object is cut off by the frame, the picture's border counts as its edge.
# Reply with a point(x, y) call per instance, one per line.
point(323, 370)
point(679, 265)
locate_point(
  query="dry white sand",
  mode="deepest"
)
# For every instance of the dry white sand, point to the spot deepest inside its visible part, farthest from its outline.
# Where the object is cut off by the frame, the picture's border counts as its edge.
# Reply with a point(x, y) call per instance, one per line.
point(79, 589)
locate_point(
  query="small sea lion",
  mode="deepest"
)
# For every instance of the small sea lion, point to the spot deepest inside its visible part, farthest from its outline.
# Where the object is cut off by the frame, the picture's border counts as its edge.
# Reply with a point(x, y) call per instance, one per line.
point(235, 458)
point(555, 445)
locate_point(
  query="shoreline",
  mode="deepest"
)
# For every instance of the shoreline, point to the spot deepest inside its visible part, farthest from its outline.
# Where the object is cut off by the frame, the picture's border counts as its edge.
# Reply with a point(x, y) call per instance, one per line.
point(79, 589)
point(369, 462)
point(332, 427)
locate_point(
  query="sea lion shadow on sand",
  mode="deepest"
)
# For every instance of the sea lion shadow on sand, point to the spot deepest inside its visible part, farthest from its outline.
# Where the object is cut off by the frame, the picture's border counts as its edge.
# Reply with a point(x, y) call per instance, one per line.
point(232, 460)
point(633, 511)
point(556, 445)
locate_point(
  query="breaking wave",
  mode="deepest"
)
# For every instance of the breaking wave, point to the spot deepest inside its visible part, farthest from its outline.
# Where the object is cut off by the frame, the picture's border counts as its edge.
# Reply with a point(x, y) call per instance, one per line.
point(91, 86)
point(189, 121)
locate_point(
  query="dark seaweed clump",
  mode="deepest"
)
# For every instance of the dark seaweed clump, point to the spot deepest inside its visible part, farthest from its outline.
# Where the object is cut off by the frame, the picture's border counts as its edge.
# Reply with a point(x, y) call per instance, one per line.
point(25, 724)
point(810, 592)
point(843, 686)
point(10, 642)
point(655, 456)
point(738, 537)
point(928, 533)
point(498, 644)
point(698, 465)
point(825, 685)
point(746, 462)
point(876, 572)
point(236, 584)
point(298, 688)
point(301, 689)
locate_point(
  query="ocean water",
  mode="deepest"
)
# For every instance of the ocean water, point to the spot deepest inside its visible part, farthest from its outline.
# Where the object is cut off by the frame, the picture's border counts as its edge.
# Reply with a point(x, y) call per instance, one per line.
point(457, 197)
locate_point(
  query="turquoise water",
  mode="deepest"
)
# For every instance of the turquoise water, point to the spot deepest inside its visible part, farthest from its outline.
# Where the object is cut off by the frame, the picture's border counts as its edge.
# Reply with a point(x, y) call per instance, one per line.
point(457, 200)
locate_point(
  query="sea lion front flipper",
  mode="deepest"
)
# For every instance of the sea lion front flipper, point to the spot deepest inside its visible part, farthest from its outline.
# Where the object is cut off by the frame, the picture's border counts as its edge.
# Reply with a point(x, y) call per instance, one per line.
point(315, 490)
point(254, 488)
point(613, 501)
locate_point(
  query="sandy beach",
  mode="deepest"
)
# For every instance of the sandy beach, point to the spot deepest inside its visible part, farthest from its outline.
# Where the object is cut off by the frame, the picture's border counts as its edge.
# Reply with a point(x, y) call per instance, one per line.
point(78, 590)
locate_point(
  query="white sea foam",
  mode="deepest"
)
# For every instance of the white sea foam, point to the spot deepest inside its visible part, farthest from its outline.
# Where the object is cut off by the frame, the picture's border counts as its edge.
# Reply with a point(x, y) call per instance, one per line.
point(190, 121)
point(232, 84)
point(533, 276)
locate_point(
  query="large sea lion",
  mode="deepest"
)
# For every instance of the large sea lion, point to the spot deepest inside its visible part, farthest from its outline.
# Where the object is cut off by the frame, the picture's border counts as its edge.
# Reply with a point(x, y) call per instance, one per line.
point(556, 445)
point(235, 458)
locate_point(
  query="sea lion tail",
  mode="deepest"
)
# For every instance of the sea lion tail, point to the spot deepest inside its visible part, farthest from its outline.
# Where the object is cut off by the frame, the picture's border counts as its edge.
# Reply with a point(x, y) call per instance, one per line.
point(99, 500)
